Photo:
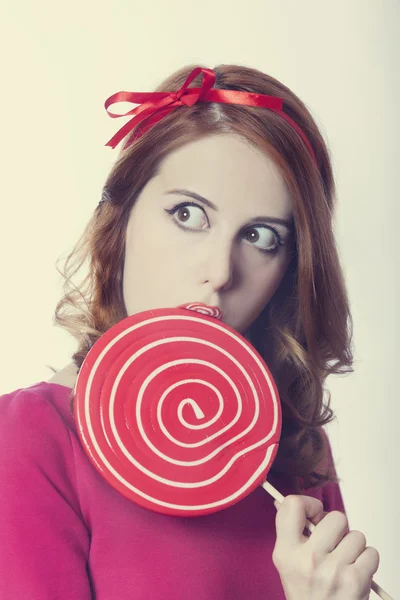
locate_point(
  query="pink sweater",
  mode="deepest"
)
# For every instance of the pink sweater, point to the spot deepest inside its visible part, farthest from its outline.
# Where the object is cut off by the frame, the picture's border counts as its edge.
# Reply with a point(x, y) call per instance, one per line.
point(66, 534)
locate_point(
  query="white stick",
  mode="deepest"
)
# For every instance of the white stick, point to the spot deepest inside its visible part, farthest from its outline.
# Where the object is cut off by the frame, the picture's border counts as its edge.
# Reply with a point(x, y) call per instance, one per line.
point(310, 526)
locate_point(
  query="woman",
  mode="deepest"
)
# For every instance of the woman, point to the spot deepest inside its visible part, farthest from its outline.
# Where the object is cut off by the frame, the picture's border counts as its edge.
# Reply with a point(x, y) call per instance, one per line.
point(224, 198)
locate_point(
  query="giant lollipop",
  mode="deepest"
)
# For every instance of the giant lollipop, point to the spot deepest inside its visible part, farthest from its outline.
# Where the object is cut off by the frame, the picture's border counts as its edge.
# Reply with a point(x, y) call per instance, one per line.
point(178, 412)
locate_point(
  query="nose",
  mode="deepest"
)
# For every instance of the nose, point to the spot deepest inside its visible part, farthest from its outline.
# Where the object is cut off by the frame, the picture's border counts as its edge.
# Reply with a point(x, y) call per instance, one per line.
point(217, 267)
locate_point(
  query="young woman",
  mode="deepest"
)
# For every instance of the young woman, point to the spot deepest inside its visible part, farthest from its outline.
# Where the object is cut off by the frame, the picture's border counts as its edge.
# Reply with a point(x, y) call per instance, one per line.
point(223, 194)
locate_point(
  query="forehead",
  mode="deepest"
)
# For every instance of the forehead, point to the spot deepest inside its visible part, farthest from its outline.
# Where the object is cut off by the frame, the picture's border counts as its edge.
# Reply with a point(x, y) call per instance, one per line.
point(227, 169)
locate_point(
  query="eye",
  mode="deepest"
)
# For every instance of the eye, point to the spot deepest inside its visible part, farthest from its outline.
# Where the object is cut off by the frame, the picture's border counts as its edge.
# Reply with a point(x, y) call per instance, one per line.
point(264, 238)
point(189, 215)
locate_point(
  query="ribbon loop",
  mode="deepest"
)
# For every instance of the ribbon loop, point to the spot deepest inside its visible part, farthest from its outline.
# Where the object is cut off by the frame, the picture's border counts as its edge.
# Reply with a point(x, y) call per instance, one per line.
point(152, 102)
point(153, 106)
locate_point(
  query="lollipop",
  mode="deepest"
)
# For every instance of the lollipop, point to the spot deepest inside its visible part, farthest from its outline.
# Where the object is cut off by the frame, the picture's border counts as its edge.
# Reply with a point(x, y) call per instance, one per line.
point(179, 413)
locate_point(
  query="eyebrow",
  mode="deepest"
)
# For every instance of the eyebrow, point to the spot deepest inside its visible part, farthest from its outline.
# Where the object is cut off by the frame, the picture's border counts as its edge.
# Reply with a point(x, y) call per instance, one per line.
point(286, 223)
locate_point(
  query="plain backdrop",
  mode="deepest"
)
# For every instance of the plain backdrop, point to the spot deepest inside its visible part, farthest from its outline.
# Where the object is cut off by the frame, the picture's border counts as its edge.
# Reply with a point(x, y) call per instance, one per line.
point(59, 63)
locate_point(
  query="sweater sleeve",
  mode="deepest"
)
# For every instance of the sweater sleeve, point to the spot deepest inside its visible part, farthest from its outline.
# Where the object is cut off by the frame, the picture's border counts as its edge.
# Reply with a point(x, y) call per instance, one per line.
point(44, 542)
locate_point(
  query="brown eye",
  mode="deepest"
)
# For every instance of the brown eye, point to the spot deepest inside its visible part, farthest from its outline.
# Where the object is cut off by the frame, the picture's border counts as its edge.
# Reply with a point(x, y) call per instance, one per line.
point(253, 235)
point(183, 214)
point(189, 216)
point(263, 238)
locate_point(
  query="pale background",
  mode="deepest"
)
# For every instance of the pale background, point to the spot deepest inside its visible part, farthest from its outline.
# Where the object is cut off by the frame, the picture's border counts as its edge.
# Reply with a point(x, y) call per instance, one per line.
point(60, 63)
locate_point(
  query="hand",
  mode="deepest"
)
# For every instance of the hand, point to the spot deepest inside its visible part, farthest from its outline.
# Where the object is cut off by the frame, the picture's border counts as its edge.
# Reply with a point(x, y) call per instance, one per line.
point(331, 563)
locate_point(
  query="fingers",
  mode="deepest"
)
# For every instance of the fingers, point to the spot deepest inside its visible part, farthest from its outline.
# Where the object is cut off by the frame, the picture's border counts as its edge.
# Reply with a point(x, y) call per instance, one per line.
point(332, 558)
point(319, 517)
point(350, 548)
point(329, 533)
point(314, 520)
point(354, 552)
point(291, 518)
point(358, 575)
point(368, 561)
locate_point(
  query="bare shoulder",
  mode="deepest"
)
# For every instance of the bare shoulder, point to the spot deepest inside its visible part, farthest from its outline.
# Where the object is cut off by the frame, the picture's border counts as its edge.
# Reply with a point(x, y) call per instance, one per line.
point(66, 376)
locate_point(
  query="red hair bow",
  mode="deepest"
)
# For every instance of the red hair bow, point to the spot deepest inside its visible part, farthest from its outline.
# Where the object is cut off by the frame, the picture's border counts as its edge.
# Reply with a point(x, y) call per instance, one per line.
point(153, 106)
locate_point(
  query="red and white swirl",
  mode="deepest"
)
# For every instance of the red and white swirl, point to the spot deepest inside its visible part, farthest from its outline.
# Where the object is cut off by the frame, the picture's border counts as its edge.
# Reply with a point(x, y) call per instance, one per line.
point(178, 412)
point(204, 309)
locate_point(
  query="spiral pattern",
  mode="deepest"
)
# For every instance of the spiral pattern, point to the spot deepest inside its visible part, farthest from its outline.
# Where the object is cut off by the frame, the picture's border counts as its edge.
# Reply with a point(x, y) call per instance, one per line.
point(211, 311)
point(178, 412)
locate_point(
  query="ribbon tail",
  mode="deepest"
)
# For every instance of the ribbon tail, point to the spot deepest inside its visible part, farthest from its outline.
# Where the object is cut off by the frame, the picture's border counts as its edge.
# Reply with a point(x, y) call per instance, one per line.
point(148, 117)
point(121, 133)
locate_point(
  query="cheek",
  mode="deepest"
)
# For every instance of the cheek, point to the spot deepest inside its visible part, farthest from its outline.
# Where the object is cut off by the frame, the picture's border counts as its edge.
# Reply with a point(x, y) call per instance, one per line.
point(152, 266)
point(268, 281)
point(278, 275)
point(147, 243)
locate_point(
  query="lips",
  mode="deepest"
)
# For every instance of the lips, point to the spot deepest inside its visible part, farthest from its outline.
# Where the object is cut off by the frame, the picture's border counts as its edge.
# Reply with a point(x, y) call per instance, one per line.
point(210, 311)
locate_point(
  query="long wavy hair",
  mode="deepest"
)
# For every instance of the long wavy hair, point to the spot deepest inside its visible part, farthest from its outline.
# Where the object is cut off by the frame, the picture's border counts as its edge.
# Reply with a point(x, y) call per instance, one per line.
point(305, 331)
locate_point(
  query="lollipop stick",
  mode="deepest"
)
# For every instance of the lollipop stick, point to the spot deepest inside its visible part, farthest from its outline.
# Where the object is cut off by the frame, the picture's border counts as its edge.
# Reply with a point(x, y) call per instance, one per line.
point(380, 592)
point(310, 526)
